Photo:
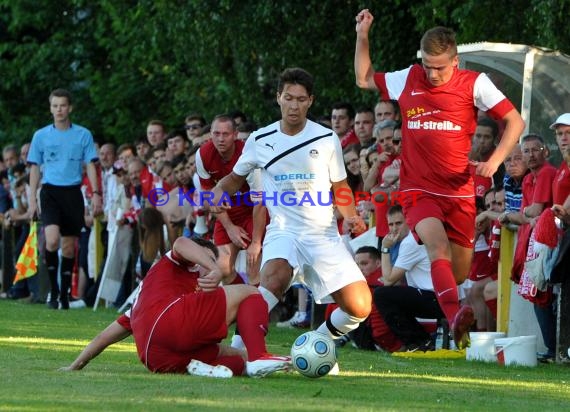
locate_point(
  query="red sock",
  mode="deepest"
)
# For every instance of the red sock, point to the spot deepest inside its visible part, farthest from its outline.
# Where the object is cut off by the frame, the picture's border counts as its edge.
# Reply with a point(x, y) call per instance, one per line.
point(252, 321)
point(234, 362)
point(237, 280)
point(445, 288)
point(330, 309)
point(492, 305)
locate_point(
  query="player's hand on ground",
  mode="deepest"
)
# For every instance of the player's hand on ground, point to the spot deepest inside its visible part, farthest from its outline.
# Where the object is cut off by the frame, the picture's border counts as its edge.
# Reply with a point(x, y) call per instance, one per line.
point(238, 236)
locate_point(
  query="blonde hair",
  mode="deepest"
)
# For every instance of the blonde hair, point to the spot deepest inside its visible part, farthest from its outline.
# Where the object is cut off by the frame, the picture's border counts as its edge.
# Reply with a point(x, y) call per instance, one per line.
point(439, 40)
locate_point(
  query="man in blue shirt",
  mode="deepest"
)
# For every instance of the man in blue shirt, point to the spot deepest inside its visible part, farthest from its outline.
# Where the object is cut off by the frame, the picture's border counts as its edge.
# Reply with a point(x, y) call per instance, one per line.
point(61, 149)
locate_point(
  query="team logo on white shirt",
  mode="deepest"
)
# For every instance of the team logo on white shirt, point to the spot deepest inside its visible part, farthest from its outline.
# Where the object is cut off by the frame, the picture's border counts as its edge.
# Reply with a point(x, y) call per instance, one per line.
point(314, 153)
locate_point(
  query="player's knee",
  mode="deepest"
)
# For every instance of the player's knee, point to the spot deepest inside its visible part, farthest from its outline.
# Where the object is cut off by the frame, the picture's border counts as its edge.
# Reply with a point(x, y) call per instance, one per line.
point(359, 308)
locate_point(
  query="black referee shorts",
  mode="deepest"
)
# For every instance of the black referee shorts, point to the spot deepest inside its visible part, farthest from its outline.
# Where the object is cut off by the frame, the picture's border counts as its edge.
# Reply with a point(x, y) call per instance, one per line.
point(62, 206)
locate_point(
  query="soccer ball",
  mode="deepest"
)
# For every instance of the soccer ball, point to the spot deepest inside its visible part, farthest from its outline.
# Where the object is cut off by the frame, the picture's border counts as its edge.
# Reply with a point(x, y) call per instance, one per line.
point(313, 354)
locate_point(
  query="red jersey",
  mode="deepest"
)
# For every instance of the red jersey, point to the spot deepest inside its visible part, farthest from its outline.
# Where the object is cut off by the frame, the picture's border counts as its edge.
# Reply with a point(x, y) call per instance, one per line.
point(438, 124)
point(164, 284)
point(381, 208)
point(211, 168)
point(349, 139)
point(147, 181)
point(561, 184)
point(537, 186)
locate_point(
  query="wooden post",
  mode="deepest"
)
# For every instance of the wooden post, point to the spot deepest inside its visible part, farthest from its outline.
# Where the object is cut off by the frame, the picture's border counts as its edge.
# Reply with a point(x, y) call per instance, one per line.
point(504, 282)
point(563, 323)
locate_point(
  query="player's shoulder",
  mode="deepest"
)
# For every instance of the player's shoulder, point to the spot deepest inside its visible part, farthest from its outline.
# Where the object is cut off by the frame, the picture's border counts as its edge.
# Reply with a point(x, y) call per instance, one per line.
point(207, 149)
point(471, 75)
point(269, 130)
point(81, 130)
point(317, 127)
point(44, 131)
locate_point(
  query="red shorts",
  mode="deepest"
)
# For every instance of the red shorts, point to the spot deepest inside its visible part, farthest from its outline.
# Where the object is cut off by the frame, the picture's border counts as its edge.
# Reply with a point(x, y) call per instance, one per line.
point(456, 213)
point(190, 329)
point(221, 236)
point(482, 267)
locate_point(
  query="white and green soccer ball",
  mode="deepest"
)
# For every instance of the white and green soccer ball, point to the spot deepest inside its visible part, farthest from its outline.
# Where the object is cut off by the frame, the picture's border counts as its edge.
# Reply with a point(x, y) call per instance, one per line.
point(313, 354)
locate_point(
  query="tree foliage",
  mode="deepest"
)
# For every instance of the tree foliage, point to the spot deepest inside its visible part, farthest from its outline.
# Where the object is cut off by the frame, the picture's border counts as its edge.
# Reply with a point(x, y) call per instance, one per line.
point(131, 61)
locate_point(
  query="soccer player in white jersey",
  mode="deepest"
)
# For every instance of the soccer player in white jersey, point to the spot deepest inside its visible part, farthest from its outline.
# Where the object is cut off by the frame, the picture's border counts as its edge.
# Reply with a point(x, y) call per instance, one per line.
point(438, 104)
point(301, 163)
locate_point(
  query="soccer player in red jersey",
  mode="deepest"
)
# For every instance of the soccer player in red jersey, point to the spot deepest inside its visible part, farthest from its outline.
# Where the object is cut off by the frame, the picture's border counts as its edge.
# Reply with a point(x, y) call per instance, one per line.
point(438, 104)
point(181, 315)
point(242, 226)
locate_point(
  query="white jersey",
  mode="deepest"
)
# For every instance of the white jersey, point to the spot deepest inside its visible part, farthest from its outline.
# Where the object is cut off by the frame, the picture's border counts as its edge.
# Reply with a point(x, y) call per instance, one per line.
point(413, 258)
point(296, 173)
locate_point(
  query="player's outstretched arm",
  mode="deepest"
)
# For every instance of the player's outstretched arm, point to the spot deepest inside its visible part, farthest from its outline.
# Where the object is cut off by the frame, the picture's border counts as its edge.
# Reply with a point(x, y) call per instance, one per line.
point(363, 69)
point(110, 335)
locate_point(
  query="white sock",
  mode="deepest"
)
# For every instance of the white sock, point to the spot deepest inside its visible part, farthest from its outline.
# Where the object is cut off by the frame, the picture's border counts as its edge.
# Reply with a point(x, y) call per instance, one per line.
point(339, 323)
point(237, 342)
point(269, 297)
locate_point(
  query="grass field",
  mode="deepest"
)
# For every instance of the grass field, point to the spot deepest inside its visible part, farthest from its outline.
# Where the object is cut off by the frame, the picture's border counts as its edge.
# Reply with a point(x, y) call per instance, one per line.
point(35, 342)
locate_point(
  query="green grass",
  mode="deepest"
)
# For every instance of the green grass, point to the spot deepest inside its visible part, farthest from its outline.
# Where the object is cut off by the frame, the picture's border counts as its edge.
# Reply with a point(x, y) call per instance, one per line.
point(35, 342)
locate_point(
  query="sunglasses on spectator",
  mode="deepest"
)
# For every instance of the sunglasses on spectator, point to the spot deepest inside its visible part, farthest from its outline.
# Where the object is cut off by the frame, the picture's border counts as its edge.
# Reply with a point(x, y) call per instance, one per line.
point(192, 127)
point(396, 141)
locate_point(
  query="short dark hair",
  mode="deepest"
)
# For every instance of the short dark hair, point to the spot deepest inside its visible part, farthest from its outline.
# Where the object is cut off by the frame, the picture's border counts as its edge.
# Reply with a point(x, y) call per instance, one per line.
point(296, 75)
point(345, 106)
point(207, 244)
point(532, 136)
point(371, 250)
point(61, 93)
point(395, 209)
point(196, 116)
point(488, 122)
point(176, 132)
point(224, 117)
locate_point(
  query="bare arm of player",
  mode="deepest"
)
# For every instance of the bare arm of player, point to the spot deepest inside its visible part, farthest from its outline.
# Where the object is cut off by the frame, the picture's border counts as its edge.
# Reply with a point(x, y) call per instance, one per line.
point(390, 275)
point(347, 209)
point(514, 126)
point(237, 235)
point(228, 186)
point(34, 183)
point(97, 198)
point(188, 251)
point(363, 70)
point(110, 335)
point(254, 248)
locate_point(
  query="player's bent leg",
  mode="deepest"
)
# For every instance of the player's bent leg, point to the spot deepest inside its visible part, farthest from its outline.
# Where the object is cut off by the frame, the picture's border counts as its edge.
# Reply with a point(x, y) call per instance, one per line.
point(355, 303)
point(275, 276)
point(235, 294)
point(199, 368)
point(461, 258)
point(465, 317)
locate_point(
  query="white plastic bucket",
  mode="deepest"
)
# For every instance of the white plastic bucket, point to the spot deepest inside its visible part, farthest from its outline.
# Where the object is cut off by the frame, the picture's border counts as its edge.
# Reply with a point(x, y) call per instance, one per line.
point(483, 346)
point(520, 350)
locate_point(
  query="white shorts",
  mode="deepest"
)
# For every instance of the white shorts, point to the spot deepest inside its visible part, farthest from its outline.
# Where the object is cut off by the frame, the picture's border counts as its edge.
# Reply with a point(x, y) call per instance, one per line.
point(324, 265)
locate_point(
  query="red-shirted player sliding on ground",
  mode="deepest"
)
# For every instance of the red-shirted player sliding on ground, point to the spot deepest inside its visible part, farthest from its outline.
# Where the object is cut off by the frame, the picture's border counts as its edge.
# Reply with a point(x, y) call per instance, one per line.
point(439, 103)
point(181, 315)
